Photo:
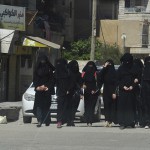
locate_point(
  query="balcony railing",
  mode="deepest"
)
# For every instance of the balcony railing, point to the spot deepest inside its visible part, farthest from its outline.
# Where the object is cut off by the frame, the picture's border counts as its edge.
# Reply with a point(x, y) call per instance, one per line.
point(136, 9)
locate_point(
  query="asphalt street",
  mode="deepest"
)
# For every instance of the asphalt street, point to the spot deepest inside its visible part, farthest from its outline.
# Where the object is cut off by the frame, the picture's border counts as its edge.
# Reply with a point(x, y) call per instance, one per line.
point(20, 136)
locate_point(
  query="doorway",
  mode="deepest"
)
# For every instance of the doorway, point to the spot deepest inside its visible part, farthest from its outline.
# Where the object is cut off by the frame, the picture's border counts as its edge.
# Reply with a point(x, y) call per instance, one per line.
point(3, 78)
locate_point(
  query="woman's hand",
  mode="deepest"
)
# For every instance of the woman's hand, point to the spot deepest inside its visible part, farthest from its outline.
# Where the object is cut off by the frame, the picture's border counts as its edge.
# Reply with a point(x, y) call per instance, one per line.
point(114, 96)
point(130, 88)
point(42, 88)
point(92, 92)
point(136, 80)
point(84, 86)
point(81, 96)
point(106, 64)
point(46, 88)
point(38, 88)
point(125, 88)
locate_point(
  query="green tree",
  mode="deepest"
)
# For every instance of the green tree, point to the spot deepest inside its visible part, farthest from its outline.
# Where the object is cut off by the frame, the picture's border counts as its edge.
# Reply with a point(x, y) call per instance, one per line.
point(80, 50)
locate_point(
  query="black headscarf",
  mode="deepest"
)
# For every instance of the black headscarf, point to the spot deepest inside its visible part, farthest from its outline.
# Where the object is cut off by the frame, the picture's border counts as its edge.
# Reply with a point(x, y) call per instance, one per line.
point(138, 63)
point(61, 68)
point(73, 66)
point(43, 66)
point(138, 67)
point(111, 64)
point(110, 61)
point(108, 73)
point(89, 69)
point(146, 73)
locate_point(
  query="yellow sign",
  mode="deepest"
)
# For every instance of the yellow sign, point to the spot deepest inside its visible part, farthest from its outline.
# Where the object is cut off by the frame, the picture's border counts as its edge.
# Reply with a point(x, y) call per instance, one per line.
point(32, 43)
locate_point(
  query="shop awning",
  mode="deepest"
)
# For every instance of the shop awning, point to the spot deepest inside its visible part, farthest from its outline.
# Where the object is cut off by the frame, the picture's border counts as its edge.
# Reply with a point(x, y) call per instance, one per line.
point(39, 42)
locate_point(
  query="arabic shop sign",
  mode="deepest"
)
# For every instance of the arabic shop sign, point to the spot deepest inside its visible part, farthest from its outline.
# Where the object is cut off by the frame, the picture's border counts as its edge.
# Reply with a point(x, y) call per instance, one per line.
point(12, 17)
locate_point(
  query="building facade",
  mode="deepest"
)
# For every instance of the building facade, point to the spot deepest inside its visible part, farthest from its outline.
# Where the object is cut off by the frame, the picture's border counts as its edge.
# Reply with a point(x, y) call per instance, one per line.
point(17, 61)
point(58, 21)
point(131, 30)
point(137, 10)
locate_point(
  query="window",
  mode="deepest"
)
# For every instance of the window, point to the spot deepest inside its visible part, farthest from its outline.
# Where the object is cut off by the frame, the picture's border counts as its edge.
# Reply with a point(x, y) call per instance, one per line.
point(138, 3)
point(127, 3)
point(7, 2)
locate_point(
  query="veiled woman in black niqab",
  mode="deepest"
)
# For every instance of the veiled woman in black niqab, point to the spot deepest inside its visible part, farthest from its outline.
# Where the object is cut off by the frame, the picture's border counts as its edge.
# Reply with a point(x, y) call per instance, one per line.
point(89, 76)
point(126, 101)
point(62, 84)
point(108, 78)
point(138, 65)
point(145, 93)
point(74, 92)
point(43, 80)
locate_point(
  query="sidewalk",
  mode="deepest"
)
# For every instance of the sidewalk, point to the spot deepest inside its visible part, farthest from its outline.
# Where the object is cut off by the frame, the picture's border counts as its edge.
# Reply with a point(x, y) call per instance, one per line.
point(10, 110)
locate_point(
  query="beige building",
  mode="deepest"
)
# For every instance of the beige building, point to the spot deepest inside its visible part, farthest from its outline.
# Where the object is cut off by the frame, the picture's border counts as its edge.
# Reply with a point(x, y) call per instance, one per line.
point(131, 31)
point(126, 34)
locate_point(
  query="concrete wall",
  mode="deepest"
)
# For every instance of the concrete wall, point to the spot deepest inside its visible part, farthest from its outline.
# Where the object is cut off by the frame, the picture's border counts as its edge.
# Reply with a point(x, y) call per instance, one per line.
point(133, 31)
point(109, 32)
point(112, 30)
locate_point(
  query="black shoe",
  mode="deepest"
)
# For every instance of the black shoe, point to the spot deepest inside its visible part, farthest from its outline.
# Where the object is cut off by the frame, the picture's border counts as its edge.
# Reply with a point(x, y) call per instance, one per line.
point(89, 124)
point(72, 124)
point(68, 124)
point(47, 124)
point(39, 124)
point(133, 125)
point(122, 127)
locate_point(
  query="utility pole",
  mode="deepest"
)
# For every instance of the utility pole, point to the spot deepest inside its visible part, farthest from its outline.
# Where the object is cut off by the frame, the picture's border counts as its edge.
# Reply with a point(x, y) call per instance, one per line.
point(93, 38)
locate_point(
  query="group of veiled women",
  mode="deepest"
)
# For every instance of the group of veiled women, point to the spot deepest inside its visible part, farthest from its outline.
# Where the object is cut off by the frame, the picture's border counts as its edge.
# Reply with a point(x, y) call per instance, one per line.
point(126, 91)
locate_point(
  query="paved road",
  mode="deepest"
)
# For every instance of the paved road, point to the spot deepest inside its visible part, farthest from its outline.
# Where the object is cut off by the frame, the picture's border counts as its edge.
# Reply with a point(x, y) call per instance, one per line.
point(19, 136)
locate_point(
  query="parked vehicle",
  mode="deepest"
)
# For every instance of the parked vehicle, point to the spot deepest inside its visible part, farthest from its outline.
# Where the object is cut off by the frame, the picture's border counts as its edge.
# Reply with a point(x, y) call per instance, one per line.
point(28, 102)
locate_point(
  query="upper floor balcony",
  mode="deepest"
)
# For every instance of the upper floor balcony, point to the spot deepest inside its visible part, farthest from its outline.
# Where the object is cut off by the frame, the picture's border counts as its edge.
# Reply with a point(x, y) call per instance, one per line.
point(136, 9)
point(134, 13)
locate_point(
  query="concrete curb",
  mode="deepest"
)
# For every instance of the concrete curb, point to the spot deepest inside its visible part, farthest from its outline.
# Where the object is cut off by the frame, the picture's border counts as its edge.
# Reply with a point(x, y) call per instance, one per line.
point(11, 110)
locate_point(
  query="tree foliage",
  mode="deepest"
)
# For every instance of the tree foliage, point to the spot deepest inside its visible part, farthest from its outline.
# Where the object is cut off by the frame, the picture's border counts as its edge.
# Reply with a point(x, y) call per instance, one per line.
point(80, 50)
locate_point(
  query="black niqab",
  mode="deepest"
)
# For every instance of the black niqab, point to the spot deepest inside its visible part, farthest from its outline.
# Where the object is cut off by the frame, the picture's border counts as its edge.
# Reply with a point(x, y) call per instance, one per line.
point(138, 67)
point(110, 62)
point(146, 73)
point(127, 60)
point(61, 68)
point(73, 66)
point(138, 63)
point(43, 66)
point(89, 69)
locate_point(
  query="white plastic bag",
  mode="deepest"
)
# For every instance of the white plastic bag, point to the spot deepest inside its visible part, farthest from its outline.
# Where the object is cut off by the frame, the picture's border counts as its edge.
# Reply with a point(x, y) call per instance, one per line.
point(81, 105)
point(3, 120)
